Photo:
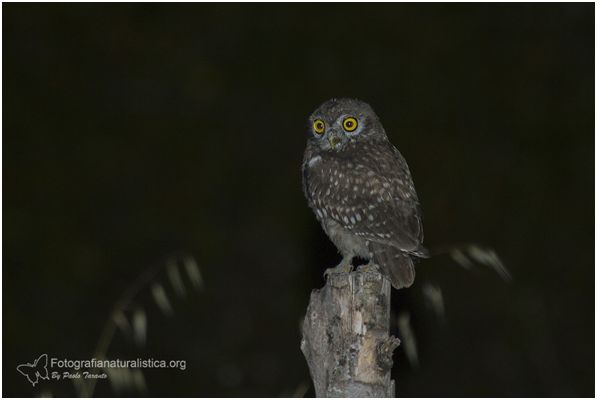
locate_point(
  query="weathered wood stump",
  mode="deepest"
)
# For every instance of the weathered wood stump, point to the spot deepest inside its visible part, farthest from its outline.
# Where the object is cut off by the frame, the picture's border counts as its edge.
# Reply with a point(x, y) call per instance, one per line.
point(346, 337)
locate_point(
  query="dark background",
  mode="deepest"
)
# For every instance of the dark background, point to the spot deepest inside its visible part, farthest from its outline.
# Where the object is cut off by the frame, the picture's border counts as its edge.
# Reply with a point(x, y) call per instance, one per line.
point(132, 132)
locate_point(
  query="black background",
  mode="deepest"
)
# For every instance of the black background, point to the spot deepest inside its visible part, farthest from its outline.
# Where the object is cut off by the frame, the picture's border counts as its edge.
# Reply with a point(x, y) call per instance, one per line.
point(132, 132)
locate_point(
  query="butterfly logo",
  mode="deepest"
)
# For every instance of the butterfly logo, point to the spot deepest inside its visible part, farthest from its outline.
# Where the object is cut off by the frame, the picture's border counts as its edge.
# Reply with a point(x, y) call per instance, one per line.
point(35, 370)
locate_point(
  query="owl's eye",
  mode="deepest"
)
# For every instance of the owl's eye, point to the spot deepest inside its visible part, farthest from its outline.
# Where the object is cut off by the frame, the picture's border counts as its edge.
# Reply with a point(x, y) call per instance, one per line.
point(318, 126)
point(350, 124)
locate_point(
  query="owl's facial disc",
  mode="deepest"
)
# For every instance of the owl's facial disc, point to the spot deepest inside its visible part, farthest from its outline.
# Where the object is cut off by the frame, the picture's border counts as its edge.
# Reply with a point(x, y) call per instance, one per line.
point(343, 130)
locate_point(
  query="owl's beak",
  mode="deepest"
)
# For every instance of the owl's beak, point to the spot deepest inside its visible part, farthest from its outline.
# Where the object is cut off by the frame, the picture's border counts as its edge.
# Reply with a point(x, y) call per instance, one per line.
point(333, 139)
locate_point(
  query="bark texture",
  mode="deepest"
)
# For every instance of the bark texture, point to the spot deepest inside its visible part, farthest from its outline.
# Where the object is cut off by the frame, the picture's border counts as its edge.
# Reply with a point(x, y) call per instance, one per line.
point(346, 336)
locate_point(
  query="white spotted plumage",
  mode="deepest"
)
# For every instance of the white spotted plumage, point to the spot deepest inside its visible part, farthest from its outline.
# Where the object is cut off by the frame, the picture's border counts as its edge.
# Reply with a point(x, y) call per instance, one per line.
point(362, 192)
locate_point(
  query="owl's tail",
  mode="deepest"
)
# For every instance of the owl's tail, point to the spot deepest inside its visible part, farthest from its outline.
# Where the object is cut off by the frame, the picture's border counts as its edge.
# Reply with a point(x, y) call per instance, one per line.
point(397, 266)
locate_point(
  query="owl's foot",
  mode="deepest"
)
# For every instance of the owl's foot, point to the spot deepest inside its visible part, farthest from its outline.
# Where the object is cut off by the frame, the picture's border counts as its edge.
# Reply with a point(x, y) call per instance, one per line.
point(342, 268)
point(370, 267)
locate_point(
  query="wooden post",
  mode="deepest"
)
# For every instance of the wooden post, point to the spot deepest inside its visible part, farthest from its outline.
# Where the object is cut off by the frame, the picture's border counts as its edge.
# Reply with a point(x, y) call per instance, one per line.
point(346, 336)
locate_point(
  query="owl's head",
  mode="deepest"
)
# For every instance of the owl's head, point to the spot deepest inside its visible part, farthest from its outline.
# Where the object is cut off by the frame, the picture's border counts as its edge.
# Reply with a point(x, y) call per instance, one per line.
point(338, 122)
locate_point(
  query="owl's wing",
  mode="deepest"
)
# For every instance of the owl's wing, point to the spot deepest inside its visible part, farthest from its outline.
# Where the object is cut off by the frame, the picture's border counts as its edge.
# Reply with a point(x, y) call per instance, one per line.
point(373, 197)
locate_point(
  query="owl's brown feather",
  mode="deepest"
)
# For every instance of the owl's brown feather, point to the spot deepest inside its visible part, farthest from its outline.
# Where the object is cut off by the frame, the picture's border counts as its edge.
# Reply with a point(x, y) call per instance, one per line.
point(361, 190)
point(396, 265)
point(355, 194)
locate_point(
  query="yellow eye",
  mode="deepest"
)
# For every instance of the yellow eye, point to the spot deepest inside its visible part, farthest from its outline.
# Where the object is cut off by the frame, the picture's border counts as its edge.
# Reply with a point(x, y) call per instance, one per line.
point(350, 124)
point(318, 126)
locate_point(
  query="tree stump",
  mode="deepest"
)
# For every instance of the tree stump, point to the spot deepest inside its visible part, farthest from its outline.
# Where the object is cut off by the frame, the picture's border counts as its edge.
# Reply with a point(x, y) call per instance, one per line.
point(346, 337)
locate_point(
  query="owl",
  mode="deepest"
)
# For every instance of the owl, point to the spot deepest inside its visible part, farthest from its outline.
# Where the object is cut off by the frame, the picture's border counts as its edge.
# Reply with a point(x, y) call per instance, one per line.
point(361, 191)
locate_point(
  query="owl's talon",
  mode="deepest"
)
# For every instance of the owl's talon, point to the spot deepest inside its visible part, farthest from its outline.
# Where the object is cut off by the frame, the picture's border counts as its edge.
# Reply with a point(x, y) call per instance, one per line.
point(371, 267)
point(343, 268)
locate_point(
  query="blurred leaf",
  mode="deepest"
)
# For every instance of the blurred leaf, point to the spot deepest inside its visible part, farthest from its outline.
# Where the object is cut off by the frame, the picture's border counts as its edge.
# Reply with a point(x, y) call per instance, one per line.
point(121, 379)
point(139, 380)
point(140, 327)
point(161, 299)
point(435, 299)
point(461, 259)
point(81, 387)
point(489, 257)
point(408, 339)
point(193, 272)
point(175, 278)
point(301, 389)
point(122, 323)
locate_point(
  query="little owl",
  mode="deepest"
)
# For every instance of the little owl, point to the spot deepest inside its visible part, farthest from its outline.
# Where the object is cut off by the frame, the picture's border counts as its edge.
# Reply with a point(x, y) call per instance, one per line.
point(359, 186)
